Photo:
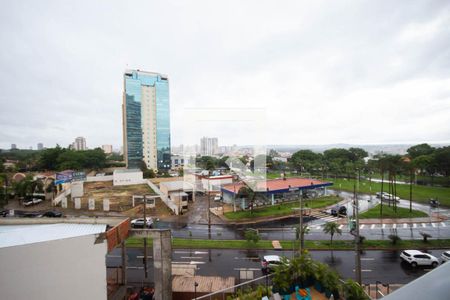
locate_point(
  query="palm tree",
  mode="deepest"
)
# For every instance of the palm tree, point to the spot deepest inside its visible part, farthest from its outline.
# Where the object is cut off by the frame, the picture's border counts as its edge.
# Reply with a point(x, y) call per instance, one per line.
point(331, 228)
point(301, 235)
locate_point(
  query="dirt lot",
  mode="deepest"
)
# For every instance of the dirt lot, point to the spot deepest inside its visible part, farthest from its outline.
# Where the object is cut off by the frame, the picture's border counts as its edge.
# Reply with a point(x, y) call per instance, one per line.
point(120, 197)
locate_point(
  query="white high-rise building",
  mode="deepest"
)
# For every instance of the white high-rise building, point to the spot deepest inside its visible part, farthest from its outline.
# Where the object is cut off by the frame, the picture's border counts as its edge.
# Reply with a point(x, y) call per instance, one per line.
point(79, 144)
point(107, 149)
point(209, 146)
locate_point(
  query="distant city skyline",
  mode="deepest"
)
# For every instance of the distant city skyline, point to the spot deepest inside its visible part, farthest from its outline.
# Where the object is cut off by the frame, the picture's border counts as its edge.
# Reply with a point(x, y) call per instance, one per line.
point(325, 72)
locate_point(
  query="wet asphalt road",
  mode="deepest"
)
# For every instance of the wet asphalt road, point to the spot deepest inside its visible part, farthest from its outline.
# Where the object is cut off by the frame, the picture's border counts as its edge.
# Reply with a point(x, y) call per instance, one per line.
point(384, 266)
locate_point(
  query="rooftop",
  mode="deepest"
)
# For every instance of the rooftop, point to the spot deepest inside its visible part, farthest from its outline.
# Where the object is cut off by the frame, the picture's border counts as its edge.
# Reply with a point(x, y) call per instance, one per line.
point(279, 184)
point(16, 235)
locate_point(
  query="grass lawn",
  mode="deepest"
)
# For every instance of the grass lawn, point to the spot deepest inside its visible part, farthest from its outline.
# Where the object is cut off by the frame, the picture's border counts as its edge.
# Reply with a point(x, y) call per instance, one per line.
point(420, 193)
point(282, 209)
point(288, 245)
point(388, 212)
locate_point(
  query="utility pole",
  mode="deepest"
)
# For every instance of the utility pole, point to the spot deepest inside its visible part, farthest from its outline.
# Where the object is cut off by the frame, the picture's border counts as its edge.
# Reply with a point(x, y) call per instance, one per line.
point(357, 239)
point(301, 224)
point(145, 240)
point(209, 206)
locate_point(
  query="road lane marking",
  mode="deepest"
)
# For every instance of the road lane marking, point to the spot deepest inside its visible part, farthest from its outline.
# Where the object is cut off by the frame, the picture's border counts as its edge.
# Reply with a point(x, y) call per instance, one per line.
point(362, 226)
point(432, 224)
point(340, 226)
point(443, 224)
point(194, 252)
point(246, 269)
point(367, 258)
point(405, 225)
point(373, 226)
point(318, 227)
point(394, 225)
point(189, 262)
point(364, 270)
point(424, 225)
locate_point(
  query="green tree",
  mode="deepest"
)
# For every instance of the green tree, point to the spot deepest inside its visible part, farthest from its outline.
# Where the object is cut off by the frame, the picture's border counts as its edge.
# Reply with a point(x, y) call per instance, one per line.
point(306, 160)
point(442, 160)
point(331, 228)
point(49, 157)
point(252, 236)
point(418, 150)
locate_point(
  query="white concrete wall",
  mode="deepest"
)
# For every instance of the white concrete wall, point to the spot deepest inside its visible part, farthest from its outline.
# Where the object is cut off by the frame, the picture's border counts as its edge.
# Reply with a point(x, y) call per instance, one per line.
point(67, 269)
point(99, 178)
point(128, 178)
point(77, 189)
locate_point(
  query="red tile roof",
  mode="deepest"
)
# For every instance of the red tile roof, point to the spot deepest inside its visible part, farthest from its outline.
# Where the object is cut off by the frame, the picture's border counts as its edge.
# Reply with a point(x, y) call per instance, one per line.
point(276, 184)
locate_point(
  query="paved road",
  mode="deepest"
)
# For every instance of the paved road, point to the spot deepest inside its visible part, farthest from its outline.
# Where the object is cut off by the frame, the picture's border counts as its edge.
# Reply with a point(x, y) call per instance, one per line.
point(284, 229)
point(384, 266)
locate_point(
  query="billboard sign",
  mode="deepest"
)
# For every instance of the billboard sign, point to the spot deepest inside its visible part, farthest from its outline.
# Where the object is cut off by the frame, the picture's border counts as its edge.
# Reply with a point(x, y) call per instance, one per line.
point(63, 177)
point(78, 176)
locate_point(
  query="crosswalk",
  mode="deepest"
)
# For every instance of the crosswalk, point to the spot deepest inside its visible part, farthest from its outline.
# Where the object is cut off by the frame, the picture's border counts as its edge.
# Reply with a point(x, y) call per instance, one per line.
point(434, 225)
point(320, 216)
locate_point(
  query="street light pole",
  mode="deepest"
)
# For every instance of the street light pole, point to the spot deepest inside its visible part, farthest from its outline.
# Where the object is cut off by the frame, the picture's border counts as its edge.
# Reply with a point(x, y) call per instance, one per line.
point(209, 206)
point(301, 224)
point(357, 239)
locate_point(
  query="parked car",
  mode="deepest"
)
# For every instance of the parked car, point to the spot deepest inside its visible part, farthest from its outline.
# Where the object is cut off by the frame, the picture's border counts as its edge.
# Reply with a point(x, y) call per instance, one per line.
point(31, 201)
point(4, 213)
point(27, 202)
point(339, 210)
point(434, 202)
point(52, 214)
point(445, 256)
point(139, 223)
point(417, 258)
point(31, 214)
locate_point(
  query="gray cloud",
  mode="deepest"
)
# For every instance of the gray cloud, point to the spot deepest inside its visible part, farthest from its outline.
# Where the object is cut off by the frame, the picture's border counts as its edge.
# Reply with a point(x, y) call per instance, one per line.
point(347, 71)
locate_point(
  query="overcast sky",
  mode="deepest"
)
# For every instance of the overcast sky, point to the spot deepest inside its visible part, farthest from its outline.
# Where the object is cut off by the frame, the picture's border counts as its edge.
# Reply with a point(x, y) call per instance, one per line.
point(325, 72)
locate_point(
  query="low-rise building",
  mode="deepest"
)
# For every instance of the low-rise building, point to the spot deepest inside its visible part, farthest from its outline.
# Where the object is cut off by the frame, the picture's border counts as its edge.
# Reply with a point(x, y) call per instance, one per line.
point(270, 192)
point(56, 260)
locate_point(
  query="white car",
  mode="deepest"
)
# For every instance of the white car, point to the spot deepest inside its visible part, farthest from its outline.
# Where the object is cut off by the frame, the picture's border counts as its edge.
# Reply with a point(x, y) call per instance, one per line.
point(445, 256)
point(217, 198)
point(387, 196)
point(270, 262)
point(139, 223)
point(417, 258)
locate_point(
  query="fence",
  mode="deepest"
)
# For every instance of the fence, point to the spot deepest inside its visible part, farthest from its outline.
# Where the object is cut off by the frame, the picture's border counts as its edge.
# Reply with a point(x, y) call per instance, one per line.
point(265, 282)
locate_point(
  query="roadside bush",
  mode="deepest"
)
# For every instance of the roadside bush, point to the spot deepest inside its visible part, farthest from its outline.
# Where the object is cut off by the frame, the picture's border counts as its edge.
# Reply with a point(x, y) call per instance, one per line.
point(394, 238)
point(252, 236)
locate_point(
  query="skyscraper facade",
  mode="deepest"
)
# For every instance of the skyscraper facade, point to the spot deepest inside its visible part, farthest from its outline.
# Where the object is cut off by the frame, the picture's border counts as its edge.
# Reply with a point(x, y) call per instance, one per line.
point(146, 120)
point(209, 146)
point(79, 144)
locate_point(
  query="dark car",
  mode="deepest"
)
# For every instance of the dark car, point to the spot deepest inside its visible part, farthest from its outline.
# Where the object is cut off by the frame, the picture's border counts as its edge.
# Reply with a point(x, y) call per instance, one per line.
point(31, 214)
point(339, 210)
point(52, 214)
point(434, 203)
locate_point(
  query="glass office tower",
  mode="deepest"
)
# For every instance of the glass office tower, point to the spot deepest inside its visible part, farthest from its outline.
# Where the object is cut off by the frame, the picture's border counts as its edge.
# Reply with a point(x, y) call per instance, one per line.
point(146, 120)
